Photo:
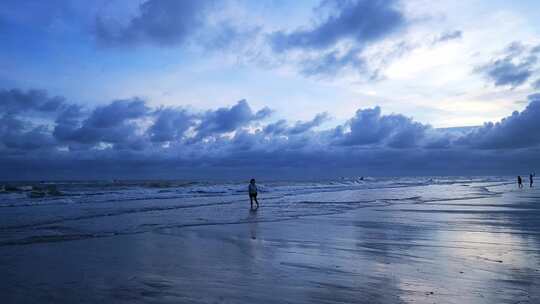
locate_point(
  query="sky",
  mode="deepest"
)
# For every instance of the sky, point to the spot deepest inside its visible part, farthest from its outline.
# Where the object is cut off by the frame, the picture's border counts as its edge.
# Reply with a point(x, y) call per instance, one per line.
point(227, 89)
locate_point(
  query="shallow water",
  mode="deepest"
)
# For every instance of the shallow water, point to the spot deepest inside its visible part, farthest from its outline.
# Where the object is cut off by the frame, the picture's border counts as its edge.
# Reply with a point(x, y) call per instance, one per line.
point(392, 240)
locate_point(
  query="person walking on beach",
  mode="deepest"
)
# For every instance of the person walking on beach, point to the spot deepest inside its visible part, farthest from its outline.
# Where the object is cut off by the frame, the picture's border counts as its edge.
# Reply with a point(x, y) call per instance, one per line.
point(253, 193)
point(531, 179)
point(520, 183)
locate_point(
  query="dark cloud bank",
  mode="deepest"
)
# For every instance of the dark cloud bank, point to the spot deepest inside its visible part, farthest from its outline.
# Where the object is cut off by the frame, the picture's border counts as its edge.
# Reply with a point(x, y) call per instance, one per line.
point(46, 136)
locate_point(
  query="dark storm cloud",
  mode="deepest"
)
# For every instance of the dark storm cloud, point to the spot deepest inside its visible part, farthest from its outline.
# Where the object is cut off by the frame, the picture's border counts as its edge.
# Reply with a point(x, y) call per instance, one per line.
point(129, 137)
point(281, 127)
point(170, 124)
point(116, 113)
point(160, 22)
point(520, 130)
point(370, 127)
point(113, 123)
point(513, 69)
point(225, 120)
point(361, 21)
point(16, 101)
point(21, 140)
point(18, 109)
point(278, 127)
point(67, 121)
point(19, 136)
point(301, 127)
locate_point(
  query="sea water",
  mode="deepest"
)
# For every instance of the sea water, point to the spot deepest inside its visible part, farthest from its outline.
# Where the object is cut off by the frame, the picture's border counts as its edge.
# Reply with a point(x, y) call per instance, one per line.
point(91, 209)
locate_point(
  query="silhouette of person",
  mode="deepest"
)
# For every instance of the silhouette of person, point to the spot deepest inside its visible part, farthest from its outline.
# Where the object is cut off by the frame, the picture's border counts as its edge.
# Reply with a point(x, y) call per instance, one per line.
point(253, 193)
point(531, 179)
point(520, 183)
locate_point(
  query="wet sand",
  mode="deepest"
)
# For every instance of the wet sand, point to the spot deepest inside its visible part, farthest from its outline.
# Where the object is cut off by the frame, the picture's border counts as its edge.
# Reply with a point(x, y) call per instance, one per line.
point(467, 250)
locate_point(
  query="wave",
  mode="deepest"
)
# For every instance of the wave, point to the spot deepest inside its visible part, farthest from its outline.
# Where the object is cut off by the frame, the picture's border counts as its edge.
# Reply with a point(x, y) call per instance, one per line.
point(102, 209)
point(126, 191)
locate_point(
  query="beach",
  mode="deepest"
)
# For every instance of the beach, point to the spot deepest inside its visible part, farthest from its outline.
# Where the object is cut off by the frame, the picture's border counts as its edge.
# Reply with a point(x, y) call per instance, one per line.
point(392, 240)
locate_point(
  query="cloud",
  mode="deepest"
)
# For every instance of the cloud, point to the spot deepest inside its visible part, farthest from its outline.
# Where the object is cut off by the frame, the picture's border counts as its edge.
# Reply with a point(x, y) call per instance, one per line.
point(447, 36)
point(16, 101)
point(117, 112)
point(225, 35)
point(513, 69)
point(18, 109)
point(361, 21)
point(22, 140)
point(281, 127)
point(519, 130)
point(536, 84)
point(301, 127)
point(159, 22)
point(113, 123)
point(170, 124)
point(333, 62)
point(128, 137)
point(369, 127)
point(504, 72)
point(67, 120)
point(336, 42)
point(19, 136)
point(225, 120)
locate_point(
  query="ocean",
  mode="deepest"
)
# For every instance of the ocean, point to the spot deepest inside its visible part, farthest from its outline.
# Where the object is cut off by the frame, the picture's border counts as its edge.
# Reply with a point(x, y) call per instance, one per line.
point(86, 209)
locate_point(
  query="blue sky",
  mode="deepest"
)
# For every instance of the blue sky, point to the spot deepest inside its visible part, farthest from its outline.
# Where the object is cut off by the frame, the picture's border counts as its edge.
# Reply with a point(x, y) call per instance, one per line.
point(346, 78)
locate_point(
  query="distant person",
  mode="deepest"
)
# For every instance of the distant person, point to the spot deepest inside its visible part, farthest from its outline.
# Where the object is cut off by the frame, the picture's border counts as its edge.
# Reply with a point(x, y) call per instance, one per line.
point(531, 179)
point(520, 182)
point(253, 193)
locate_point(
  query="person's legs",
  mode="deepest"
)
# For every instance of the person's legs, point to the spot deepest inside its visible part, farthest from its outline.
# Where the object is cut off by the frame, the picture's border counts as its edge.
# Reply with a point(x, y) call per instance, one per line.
point(256, 201)
point(251, 200)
